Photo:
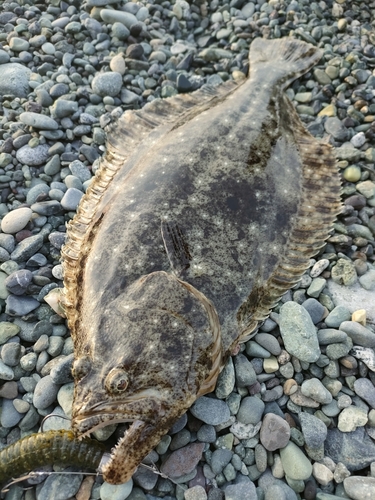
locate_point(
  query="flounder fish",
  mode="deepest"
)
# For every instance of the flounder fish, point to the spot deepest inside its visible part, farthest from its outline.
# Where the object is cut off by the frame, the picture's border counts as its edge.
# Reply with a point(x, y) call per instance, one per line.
point(206, 208)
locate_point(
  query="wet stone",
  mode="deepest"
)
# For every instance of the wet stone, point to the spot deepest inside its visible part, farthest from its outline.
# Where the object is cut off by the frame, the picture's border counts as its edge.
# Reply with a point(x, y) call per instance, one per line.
point(11, 354)
point(107, 84)
point(15, 80)
point(226, 380)
point(38, 121)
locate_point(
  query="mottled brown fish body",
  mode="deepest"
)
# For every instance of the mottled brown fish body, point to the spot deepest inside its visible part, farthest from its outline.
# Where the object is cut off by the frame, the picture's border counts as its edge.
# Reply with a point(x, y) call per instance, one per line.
point(206, 209)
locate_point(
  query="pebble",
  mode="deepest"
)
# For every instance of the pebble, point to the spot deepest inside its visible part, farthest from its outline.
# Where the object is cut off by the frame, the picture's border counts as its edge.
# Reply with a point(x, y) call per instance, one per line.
point(337, 316)
point(210, 410)
point(358, 333)
point(352, 417)
point(16, 220)
point(71, 199)
point(294, 462)
point(226, 380)
point(269, 342)
point(274, 433)
point(45, 393)
point(315, 309)
point(313, 429)
point(38, 121)
point(113, 16)
point(6, 373)
point(33, 156)
point(315, 390)
point(299, 332)
point(15, 80)
point(60, 486)
point(360, 487)
point(251, 410)
point(183, 461)
point(107, 84)
point(322, 474)
point(367, 281)
point(364, 388)
point(20, 305)
point(195, 493)
point(244, 371)
point(245, 491)
point(27, 248)
point(116, 492)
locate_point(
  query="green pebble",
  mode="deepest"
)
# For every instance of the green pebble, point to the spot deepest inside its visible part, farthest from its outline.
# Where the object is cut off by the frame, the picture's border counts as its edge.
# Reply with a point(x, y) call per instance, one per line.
point(295, 464)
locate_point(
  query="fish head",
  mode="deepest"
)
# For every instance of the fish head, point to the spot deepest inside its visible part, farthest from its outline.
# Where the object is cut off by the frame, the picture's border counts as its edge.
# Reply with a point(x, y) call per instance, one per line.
point(157, 349)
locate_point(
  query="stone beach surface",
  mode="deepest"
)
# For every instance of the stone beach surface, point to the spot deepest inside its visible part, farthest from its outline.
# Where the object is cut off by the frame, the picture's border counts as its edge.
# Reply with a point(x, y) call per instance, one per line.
point(293, 414)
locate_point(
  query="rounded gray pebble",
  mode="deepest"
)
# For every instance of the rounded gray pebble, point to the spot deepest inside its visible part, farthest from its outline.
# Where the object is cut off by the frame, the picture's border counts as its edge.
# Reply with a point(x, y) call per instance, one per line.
point(210, 410)
point(251, 410)
point(45, 393)
point(14, 80)
point(358, 333)
point(337, 316)
point(313, 429)
point(107, 84)
point(365, 389)
point(33, 156)
point(71, 199)
point(9, 415)
point(245, 374)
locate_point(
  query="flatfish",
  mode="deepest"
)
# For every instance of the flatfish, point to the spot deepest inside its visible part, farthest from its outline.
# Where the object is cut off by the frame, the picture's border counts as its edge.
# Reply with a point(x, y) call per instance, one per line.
point(206, 209)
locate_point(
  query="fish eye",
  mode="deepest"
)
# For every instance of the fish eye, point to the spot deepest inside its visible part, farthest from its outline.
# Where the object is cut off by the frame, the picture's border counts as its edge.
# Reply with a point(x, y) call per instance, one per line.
point(81, 367)
point(116, 381)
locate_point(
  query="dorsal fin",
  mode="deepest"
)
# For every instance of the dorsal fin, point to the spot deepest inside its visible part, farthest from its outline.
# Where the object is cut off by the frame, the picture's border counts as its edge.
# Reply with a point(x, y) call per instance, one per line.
point(124, 136)
point(318, 207)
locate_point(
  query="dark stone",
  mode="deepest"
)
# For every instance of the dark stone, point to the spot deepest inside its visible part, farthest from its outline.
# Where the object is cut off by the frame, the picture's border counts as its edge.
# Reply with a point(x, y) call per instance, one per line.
point(354, 449)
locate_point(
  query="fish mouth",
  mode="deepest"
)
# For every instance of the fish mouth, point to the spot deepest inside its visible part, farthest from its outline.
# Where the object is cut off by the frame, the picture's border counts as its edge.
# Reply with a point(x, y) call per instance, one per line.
point(91, 418)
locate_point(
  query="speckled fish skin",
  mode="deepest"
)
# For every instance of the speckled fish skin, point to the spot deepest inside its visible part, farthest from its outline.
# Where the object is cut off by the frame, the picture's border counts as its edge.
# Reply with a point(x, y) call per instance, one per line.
point(206, 209)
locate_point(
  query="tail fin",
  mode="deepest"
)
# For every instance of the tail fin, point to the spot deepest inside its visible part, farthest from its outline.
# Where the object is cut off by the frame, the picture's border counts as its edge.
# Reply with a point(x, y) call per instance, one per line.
point(282, 60)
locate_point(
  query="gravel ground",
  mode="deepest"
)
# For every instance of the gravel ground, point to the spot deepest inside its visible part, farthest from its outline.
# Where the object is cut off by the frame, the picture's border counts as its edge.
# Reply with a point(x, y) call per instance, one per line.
point(288, 419)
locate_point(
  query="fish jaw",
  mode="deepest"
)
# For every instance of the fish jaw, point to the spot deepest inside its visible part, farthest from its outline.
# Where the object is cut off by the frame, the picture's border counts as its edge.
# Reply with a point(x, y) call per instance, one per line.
point(138, 441)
